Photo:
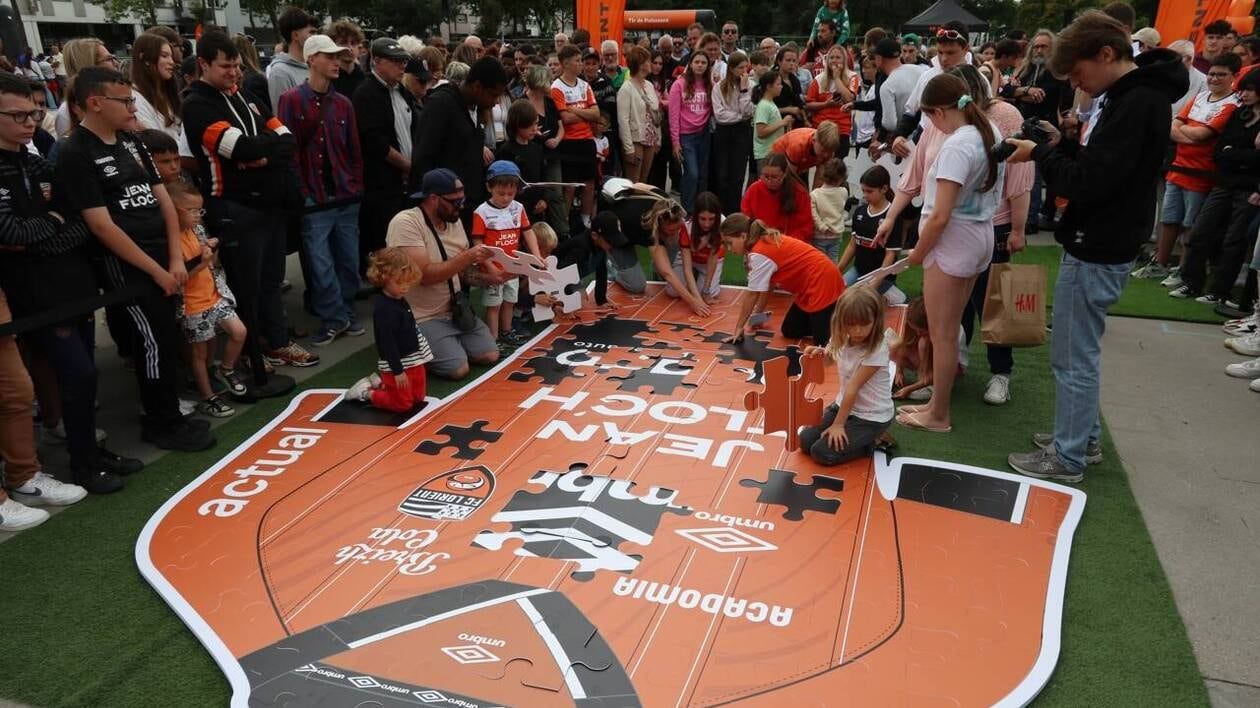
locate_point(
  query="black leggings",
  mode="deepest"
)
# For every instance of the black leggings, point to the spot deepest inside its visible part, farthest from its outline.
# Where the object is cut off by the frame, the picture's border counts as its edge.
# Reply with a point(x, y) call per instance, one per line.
point(798, 323)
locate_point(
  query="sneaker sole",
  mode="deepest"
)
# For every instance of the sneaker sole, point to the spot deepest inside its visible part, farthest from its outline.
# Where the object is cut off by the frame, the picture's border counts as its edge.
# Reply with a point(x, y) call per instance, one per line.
point(1068, 479)
point(36, 501)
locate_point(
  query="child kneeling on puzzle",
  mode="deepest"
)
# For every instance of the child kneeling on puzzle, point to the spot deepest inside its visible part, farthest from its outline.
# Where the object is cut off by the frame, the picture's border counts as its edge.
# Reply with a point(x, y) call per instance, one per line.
point(863, 409)
point(399, 383)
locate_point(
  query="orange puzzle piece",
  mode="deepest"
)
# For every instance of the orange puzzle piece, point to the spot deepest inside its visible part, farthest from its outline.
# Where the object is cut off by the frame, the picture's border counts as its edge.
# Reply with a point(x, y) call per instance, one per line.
point(784, 402)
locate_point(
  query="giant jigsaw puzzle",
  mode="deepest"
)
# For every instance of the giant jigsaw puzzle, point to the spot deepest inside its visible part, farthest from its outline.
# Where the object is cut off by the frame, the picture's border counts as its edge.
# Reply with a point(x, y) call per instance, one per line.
point(605, 520)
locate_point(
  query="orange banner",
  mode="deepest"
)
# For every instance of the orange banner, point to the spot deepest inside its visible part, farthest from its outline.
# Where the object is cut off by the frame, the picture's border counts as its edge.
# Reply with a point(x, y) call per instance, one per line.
point(602, 18)
point(1185, 19)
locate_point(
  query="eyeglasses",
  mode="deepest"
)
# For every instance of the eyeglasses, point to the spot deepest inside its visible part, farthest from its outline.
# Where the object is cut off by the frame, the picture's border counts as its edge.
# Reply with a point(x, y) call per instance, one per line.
point(948, 34)
point(20, 117)
point(129, 102)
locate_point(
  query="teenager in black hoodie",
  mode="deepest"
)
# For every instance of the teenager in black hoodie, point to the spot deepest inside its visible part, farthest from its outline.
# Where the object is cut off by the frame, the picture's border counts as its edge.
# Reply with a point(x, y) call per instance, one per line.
point(1110, 177)
point(1222, 227)
point(451, 137)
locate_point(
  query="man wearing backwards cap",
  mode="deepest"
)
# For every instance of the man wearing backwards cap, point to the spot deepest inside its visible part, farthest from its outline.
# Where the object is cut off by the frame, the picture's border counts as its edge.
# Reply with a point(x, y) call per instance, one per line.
point(330, 168)
point(387, 119)
point(443, 266)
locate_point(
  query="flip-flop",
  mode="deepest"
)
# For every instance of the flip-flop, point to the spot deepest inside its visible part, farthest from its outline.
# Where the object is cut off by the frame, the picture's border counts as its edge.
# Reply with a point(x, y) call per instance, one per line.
point(911, 420)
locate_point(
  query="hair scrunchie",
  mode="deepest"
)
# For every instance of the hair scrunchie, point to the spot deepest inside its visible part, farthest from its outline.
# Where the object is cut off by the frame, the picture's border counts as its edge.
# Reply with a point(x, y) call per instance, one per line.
point(963, 100)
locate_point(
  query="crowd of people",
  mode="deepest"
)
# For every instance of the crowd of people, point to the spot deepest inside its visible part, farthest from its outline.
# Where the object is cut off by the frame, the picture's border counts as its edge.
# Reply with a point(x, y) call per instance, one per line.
point(168, 189)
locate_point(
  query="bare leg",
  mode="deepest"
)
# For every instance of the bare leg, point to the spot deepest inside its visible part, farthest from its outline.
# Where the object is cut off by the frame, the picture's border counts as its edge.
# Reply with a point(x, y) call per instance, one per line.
point(945, 297)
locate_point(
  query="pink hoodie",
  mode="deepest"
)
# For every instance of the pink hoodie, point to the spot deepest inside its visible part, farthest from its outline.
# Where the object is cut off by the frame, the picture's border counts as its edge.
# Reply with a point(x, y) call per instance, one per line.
point(688, 116)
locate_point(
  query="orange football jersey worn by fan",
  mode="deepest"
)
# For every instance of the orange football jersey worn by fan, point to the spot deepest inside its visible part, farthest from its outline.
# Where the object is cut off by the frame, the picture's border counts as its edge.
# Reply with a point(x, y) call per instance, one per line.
point(589, 524)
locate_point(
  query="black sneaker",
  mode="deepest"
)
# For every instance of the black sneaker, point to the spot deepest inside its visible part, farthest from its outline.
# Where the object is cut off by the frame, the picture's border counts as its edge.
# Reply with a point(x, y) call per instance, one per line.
point(182, 436)
point(117, 464)
point(98, 481)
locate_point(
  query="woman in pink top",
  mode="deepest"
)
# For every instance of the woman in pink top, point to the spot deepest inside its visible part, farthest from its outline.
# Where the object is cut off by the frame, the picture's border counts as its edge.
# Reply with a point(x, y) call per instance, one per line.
point(690, 110)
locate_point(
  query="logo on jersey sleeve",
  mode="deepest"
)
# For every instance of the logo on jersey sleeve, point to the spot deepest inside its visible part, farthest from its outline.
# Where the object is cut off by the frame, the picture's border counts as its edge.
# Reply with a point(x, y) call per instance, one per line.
point(451, 496)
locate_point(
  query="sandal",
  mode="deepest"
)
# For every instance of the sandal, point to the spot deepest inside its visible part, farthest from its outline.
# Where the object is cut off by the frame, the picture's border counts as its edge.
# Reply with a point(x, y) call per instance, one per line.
point(911, 420)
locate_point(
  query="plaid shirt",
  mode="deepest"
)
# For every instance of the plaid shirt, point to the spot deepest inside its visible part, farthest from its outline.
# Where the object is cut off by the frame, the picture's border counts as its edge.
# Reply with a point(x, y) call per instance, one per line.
point(324, 124)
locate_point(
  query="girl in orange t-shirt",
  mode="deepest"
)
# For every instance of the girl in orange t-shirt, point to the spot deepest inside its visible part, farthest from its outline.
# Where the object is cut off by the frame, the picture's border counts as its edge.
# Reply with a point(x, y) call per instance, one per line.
point(788, 264)
point(207, 308)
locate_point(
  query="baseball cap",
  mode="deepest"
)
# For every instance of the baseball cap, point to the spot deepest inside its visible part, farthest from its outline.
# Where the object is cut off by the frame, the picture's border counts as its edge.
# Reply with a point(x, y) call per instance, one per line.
point(419, 69)
point(388, 48)
point(606, 225)
point(910, 38)
point(503, 168)
point(1148, 36)
point(320, 44)
point(438, 181)
point(888, 48)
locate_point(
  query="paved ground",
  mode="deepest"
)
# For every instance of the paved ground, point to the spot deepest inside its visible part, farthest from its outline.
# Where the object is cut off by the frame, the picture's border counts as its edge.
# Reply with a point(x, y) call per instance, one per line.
point(1187, 435)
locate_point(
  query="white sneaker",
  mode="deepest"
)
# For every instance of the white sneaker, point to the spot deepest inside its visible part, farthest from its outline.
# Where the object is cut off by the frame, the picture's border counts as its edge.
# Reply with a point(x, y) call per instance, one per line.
point(361, 390)
point(15, 516)
point(46, 490)
point(1247, 345)
point(1244, 369)
point(998, 391)
point(922, 394)
point(57, 434)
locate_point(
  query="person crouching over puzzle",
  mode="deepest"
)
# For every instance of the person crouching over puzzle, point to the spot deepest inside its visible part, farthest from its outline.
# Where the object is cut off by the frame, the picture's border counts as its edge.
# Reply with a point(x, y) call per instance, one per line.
point(399, 383)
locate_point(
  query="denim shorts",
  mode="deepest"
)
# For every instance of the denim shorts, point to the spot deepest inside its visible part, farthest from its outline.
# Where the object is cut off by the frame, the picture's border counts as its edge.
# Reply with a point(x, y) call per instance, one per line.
point(1181, 206)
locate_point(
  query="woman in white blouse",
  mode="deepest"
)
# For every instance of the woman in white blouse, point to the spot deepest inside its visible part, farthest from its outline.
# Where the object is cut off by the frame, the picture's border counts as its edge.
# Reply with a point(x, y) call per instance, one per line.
point(732, 143)
point(156, 92)
point(638, 116)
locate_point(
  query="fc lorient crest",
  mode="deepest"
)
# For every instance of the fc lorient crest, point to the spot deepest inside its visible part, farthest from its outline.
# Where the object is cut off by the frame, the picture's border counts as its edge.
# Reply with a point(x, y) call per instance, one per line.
point(453, 495)
point(573, 529)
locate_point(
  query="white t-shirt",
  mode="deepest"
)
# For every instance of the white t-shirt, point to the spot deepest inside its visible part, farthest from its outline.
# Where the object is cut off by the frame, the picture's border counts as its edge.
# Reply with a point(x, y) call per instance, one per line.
point(962, 159)
point(874, 400)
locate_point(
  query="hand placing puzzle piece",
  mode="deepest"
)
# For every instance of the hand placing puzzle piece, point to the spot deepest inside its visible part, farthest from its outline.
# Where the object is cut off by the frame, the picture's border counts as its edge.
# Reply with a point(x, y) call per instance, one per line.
point(783, 400)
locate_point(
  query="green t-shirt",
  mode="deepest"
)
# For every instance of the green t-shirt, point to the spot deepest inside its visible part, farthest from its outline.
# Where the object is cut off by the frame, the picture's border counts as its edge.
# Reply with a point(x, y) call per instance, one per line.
point(767, 113)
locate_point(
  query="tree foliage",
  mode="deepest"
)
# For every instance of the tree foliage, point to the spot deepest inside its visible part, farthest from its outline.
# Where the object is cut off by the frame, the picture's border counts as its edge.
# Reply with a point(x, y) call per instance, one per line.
point(145, 10)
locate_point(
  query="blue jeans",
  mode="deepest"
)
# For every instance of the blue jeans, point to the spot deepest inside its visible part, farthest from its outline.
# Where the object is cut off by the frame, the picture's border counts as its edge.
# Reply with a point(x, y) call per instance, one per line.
point(1082, 295)
point(331, 237)
point(695, 168)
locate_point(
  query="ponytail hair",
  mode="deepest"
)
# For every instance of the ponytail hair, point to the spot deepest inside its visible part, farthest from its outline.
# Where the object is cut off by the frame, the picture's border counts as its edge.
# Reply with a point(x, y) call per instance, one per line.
point(763, 84)
point(663, 210)
point(753, 230)
point(877, 177)
point(948, 92)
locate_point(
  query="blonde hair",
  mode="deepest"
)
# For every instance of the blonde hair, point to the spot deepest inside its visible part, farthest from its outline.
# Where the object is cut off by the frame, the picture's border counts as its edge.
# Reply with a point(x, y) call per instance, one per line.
point(753, 230)
point(392, 263)
point(547, 240)
point(828, 135)
point(857, 306)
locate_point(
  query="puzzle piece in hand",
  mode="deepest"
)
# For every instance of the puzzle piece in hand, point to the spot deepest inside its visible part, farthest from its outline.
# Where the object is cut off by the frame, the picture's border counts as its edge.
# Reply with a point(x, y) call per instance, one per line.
point(783, 400)
point(581, 518)
point(662, 378)
point(461, 439)
point(522, 263)
point(781, 489)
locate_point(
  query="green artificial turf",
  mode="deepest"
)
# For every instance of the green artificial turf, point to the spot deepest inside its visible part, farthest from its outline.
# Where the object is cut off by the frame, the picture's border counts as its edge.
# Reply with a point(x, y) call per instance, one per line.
point(84, 629)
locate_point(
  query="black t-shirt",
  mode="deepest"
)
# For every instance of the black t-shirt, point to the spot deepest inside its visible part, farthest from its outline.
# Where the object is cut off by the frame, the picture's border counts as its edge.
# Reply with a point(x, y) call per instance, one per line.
point(867, 256)
point(119, 177)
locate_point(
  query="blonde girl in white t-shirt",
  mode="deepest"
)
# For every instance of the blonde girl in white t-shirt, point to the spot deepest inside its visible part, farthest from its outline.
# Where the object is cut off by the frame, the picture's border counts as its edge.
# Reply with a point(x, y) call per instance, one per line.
point(955, 245)
point(863, 408)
